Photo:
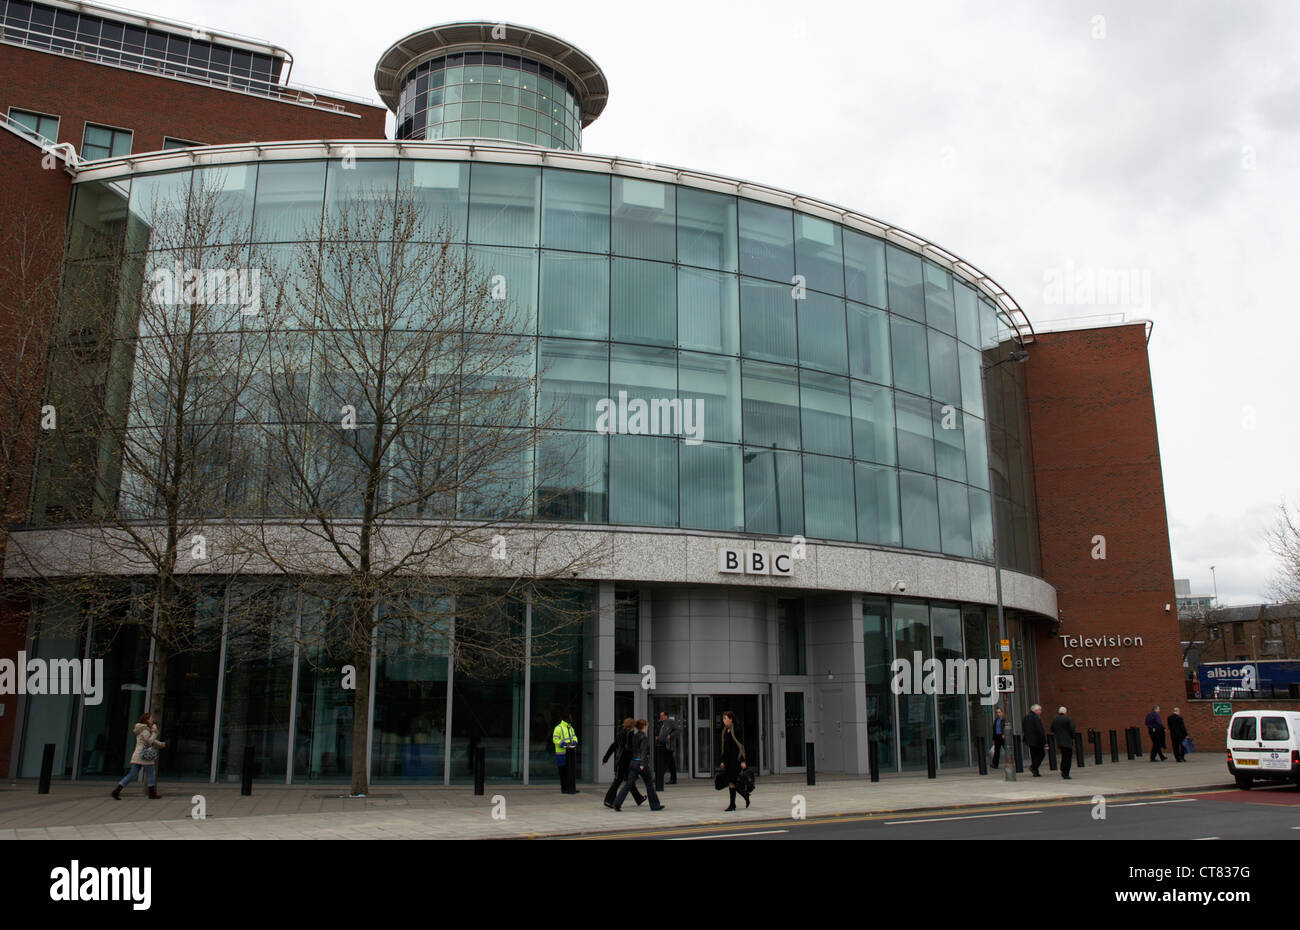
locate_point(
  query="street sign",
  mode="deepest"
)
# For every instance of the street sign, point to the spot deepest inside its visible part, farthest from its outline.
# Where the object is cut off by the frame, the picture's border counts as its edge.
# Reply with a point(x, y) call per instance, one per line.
point(1223, 708)
point(1006, 661)
point(1006, 645)
point(1006, 684)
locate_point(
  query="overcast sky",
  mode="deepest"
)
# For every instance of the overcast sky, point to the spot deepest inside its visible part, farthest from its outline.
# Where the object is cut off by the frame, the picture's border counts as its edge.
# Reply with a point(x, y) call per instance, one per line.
point(1036, 140)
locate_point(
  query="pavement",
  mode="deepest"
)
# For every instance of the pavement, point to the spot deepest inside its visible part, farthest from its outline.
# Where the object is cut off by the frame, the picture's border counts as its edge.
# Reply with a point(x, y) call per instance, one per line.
point(84, 810)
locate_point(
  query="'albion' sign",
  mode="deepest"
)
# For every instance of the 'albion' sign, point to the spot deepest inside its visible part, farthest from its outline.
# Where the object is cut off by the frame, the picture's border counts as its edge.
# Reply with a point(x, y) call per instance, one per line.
point(1095, 642)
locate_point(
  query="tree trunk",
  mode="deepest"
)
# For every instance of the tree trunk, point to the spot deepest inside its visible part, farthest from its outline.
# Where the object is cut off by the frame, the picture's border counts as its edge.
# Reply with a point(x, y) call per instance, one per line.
point(361, 723)
point(159, 691)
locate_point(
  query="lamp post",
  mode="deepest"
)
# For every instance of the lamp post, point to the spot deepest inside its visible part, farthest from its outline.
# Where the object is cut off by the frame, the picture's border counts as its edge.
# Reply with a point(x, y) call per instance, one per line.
point(1008, 727)
point(1215, 579)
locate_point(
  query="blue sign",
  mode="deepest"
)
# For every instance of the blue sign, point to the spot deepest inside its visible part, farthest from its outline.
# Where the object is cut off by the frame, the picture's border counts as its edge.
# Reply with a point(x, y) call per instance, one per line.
point(1270, 677)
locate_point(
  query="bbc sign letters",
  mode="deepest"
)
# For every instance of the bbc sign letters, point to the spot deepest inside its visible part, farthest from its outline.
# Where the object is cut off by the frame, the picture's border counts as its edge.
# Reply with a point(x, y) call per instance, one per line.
point(755, 562)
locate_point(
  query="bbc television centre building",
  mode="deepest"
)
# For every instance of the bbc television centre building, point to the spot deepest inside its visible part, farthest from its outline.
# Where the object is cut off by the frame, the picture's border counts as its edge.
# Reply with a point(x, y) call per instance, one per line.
point(864, 462)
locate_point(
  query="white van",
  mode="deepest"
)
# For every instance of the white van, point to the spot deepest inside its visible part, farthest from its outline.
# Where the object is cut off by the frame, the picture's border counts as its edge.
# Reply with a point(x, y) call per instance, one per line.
point(1264, 745)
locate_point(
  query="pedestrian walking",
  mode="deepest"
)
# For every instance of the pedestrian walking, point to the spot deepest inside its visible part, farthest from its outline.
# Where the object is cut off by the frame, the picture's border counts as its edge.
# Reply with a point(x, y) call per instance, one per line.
point(145, 757)
point(619, 750)
point(1063, 730)
point(732, 755)
point(667, 741)
point(638, 766)
point(1178, 733)
point(999, 735)
point(1156, 730)
point(1035, 738)
point(565, 738)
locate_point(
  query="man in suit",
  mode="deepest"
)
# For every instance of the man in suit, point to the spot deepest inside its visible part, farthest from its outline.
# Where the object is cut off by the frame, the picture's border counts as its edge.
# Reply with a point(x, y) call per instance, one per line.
point(1156, 730)
point(667, 740)
point(1177, 733)
point(1035, 738)
point(1063, 731)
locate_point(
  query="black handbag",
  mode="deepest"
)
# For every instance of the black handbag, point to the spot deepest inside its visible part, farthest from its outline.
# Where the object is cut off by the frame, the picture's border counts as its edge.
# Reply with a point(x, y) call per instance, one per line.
point(746, 781)
point(720, 779)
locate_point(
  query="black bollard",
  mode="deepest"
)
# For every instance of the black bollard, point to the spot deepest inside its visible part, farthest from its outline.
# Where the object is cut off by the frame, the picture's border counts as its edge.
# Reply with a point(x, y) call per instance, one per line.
point(659, 767)
point(1114, 747)
point(47, 769)
point(812, 763)
point(1095, 736)
point(1128, 742)
point(1137, 743)
point(1078, 749)
point(873, 760)
point(246, 773)
point(929, 758)
point(480, 769)
point(1019, 757)
point(984, 762)
point(1051, 753)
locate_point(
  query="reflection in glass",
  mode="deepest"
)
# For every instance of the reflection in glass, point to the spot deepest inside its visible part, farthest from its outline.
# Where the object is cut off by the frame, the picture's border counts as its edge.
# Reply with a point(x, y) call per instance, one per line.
point(706, 229)
point(920, 511)
point(915, 711)
point(766, 242)
point(877, 654)
point(712, 488)
point(877, 493)
point(708, 311)
point(828, 483)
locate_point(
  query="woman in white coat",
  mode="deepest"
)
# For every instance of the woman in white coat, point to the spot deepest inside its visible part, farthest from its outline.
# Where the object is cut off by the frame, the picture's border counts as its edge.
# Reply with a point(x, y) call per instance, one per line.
point(144, 758)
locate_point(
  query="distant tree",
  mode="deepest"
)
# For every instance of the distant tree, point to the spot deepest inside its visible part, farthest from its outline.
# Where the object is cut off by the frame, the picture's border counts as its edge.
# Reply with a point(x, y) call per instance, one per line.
point(1284, 541)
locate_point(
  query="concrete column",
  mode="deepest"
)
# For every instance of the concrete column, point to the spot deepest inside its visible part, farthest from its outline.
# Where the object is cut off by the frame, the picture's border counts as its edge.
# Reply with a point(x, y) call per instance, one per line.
point(604, 682)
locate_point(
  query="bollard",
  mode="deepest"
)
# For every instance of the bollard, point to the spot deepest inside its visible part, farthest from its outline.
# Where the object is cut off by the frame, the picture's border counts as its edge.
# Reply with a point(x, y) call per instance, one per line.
point(659, 767)
point(1020, 759)
point(47, 769)
point(1128, 742)
point(1137, 743)
point(812, 763)
point(1051, 753)
point(873, 759)
point(1078, 749)
point(929, 758)
point(984, 762)
point(1114, 747)
point(480, 769)
point(1095, 737)
point(246, 774)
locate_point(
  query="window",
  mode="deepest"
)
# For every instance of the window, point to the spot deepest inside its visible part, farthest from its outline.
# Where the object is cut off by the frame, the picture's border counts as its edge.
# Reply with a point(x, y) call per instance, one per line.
point(1238, 634)
point(1243, 728)
point(170, 143)
point(38, 123)
point(626, 632)
point(105, 142)
point(1273, 728)
point(790, 623)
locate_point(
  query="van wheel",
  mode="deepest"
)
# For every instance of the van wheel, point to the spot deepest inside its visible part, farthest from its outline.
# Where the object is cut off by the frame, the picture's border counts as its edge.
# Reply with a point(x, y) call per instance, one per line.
point(1243, 782)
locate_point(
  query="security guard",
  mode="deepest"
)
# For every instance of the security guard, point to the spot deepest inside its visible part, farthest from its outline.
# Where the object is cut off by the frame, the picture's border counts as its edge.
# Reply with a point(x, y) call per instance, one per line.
point(565, 738)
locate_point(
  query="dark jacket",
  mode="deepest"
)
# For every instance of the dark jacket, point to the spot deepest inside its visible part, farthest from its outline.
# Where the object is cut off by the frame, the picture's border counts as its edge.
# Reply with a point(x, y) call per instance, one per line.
point(618, 749)
point(1177, 729)
point(668, 734)
point(999, 722)
point(1156, 730)
point(1035, 735)
point(638, 748)
point(1063, 730)
point(732, 751)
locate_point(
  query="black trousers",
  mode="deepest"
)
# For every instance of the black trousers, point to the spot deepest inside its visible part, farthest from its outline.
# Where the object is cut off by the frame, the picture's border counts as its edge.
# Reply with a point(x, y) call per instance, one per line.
point(1067, 754)
point(670, 763)
point(997, 748)
point(1157, 745)
point(620, 776)
point(568, 767)
point(1179, 754)
point(1036, 754)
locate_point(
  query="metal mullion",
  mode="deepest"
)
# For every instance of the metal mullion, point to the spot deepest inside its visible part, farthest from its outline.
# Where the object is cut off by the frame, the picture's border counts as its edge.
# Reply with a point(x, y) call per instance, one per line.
point(221, 685)
point(293, 688)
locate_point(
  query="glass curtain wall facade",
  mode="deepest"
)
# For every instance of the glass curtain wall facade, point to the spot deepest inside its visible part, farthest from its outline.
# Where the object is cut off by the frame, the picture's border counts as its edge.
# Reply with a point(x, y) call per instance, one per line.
point(829, 382)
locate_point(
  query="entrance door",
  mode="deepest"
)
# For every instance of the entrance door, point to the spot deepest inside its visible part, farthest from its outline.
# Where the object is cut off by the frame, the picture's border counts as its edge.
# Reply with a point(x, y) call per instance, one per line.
point(795, 738)
point(702, 734)
point(677, 709)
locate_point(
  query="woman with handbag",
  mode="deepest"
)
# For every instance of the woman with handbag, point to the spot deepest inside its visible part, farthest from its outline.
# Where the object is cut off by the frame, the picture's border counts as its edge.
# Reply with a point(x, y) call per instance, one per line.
point(144, 758)
point(733, 759)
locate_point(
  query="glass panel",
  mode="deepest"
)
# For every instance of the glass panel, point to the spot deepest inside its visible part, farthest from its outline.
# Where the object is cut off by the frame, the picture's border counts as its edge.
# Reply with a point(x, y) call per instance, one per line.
point(367, 181)
point(643, 480)
point(952, 748)
point(818, 254)
point(828, 485)
point(575, 210)
point(864, 269)
point(877, 490)
point(767, 321)
point(766, 242)
point(440, 191)
point(945, 381)
point(644, 302)
point(159, 204)
point(627, 636)
point(773, 492)
point(877, 656)
point(972, 398)
point(644, 219)
point(488, 698)
point(771, 405)
point(504, 204)
point(558, 687)
point(571, 482)
point(409, 739)
point(954, 518)
point(712, 491)
point(821, 332)
point(795, 743)
point(915, 711)
point(706, 229)
point(99, 212)
point(869, 344)
point(232, 188)
point(911, 363)
point(323, 730)
point(575, 295)
point(191, 691)
point(967, 310)
point(512, 276)
point(939, 311)
point(791, 651)
point(949, 451)
point(715, 381)
point(906, 293)
point(645, 374)
point(977, 455)
point(981, 524)
point(988, 325)
point(574, 376)
point(824, 406)
point(708, 311)
point(915, 437)
point(289, 200)
point(873, 423)
point(920, 512)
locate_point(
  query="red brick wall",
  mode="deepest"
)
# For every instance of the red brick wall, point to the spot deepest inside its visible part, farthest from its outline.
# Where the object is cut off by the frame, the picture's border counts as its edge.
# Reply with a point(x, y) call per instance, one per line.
point(1097, 473)
point(78, 91)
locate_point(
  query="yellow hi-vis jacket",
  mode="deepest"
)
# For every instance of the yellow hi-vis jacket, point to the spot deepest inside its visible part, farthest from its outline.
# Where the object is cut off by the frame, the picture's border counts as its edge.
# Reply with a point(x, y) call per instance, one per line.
point(564, 738)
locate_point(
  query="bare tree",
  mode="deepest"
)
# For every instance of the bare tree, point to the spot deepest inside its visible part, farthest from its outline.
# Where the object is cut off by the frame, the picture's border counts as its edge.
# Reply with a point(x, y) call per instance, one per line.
point(1284, 539)
point(400, 422)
